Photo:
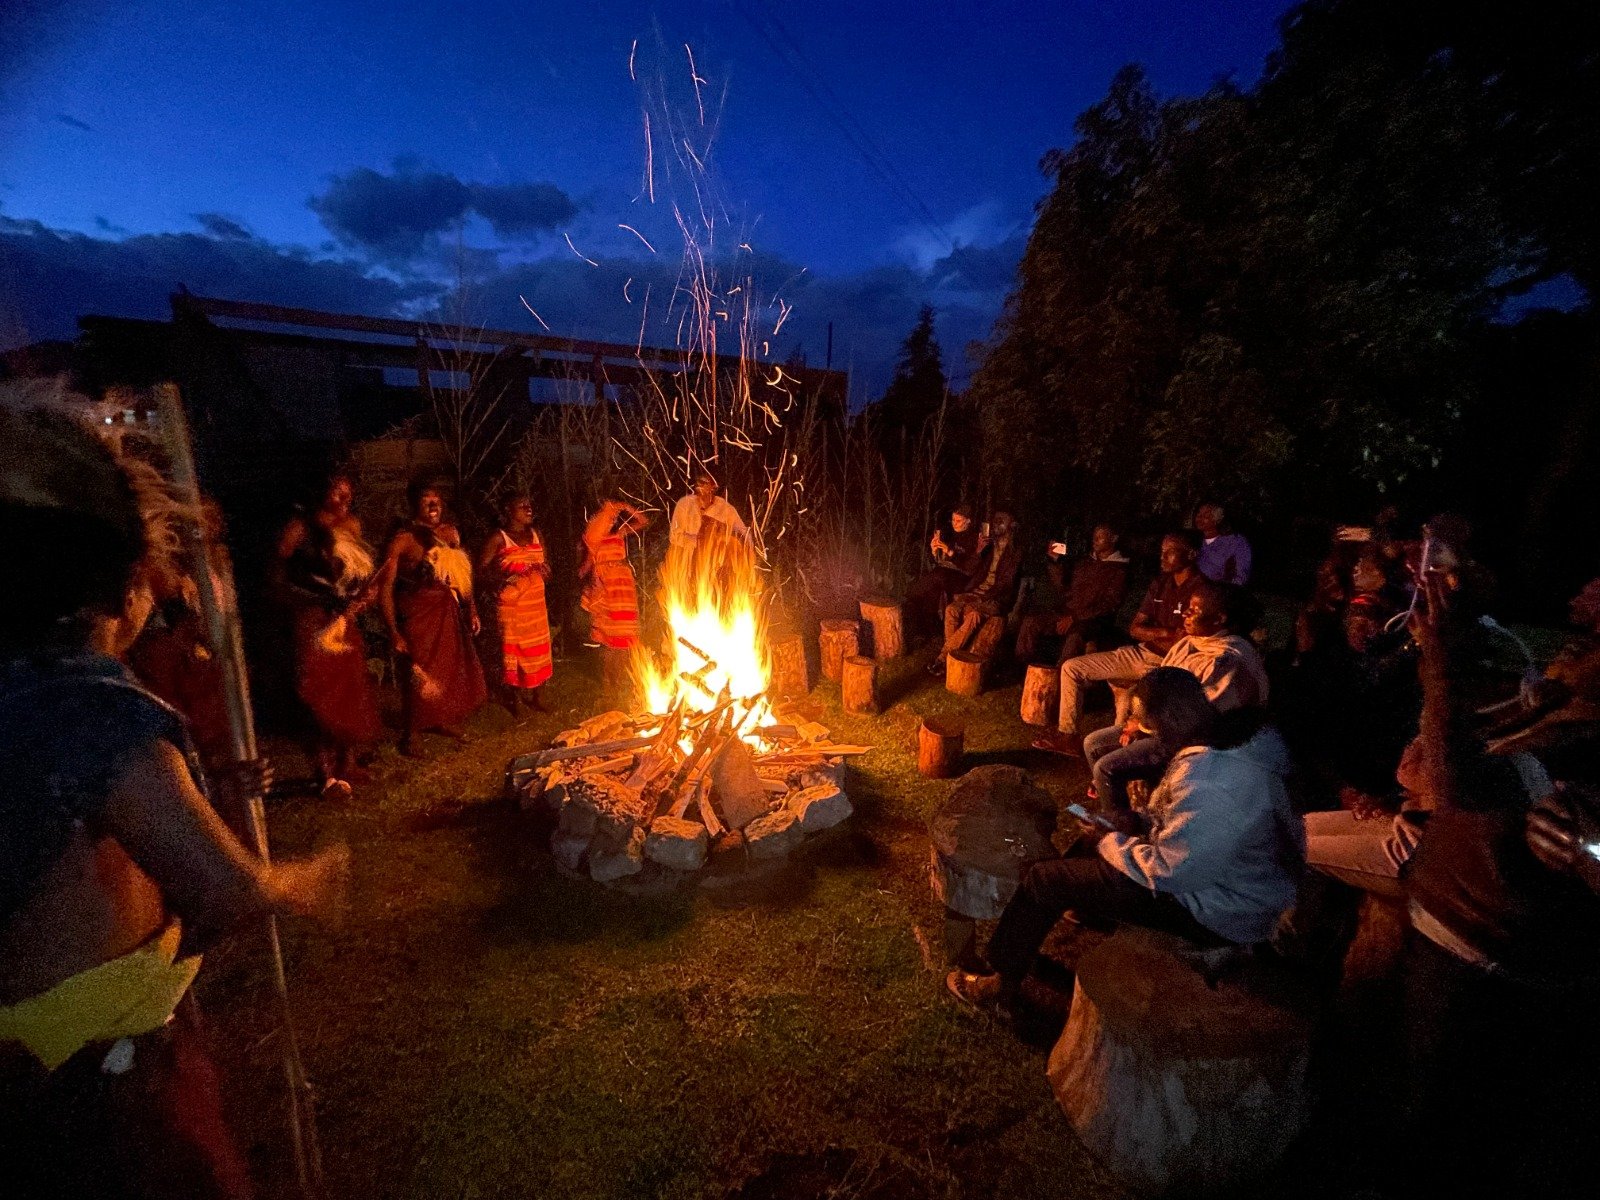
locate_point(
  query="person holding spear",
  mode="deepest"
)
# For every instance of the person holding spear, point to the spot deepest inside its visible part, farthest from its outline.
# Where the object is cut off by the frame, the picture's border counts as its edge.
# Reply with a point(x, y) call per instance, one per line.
point(115, 869)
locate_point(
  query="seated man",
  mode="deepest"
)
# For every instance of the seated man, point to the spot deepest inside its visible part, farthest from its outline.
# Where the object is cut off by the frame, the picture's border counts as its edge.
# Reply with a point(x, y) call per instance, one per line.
point(955, 551)
point(1224, 555)
point(1217, 652)
point(1215, 857)
point(990, 591)
point(1156, 629)
point(1099, 581)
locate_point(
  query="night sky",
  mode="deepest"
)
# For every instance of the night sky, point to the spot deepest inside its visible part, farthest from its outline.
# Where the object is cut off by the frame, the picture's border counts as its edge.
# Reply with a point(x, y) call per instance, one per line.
point(871, 156)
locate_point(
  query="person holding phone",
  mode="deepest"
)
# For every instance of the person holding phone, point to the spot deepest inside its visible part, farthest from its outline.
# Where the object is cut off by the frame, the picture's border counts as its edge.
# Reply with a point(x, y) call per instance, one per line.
point(1215, 856)
point(1089, 600)
point(955, 549)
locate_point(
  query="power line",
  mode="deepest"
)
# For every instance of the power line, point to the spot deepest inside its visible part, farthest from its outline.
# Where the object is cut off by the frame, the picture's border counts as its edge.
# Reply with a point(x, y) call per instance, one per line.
point(784, 45)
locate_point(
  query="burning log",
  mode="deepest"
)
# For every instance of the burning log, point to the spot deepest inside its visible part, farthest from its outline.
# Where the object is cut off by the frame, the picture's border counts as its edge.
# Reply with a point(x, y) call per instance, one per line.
point(837, 642)
point(883, 614)
point(858, 685)
point(560, 754)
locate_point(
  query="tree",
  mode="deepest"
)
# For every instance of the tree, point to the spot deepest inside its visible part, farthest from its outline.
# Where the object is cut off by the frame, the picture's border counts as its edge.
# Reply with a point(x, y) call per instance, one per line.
point(915, 394)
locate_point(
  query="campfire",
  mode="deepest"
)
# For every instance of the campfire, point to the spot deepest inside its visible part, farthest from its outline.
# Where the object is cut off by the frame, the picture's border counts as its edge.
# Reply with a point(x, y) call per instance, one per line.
point(714, 765)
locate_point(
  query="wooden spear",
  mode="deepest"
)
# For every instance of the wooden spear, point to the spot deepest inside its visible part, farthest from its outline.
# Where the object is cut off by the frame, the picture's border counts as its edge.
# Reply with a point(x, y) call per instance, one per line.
point(218, 604)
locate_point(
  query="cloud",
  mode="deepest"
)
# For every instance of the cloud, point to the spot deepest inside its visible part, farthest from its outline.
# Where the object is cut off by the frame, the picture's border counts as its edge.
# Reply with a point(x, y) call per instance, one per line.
point(72, 122)
point(518, 209)
point(223, 228)
point(49, 278)
point(397, 218)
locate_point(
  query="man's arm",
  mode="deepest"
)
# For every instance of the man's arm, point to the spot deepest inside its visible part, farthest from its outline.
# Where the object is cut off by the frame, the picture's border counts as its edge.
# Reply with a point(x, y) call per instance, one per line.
point(1190, 851)
point(168, 828)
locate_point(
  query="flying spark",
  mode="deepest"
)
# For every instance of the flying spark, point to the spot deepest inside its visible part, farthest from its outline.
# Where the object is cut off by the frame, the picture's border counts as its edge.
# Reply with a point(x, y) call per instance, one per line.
point(638, 235)
point(536, 316)
point(578, 252)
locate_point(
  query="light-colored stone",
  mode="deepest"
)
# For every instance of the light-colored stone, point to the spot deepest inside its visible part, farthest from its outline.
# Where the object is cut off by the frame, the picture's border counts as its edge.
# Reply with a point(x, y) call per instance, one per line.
point(818, 808)
point(568, 849)
point(578, 820)
point(607, 864)
point(831, 772)
point(681, 845)
point(773, 835)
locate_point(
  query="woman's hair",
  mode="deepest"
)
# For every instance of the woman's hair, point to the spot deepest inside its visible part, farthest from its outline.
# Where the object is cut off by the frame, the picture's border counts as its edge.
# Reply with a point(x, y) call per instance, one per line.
point(86, 511)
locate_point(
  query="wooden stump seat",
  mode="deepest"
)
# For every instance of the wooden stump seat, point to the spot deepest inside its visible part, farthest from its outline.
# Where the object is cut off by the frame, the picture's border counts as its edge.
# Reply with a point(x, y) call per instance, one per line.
point(1041, 695)
point(858, 684)
point(939, 741)
point(882, 613)
point(1177, 1084)
point(791, 674)
point(837, 641)
point(963, 673)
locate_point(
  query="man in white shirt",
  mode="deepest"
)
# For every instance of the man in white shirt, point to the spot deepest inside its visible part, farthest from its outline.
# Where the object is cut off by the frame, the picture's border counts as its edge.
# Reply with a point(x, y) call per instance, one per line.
point(702, 517)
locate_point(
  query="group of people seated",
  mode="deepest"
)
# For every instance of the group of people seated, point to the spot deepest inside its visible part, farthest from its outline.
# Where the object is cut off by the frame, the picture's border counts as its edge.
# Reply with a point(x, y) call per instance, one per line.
point(1388, 757)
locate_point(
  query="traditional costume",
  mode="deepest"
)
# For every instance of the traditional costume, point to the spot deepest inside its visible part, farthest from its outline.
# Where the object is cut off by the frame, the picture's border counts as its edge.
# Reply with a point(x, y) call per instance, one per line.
point(523, 618)
point(325, 574)
point(611, 596)
point(445, 682)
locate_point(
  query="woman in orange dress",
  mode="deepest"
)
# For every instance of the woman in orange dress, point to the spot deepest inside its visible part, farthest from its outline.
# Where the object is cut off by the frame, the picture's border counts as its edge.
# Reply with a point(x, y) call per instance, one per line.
point(514, 566)
point(611, 596)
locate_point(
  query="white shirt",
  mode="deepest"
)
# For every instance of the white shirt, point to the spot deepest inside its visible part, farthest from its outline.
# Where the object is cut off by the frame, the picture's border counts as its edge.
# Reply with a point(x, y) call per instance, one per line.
point(687, 517)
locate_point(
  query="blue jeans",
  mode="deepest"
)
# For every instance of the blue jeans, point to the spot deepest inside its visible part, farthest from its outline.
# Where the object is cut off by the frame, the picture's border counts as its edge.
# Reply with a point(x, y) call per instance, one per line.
point(1114, 765)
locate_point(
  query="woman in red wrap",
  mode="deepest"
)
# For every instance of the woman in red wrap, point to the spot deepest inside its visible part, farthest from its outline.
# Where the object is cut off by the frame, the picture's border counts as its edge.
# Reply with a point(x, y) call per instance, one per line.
point(426, 597)
point(610, 595)
point(514, 569)
point(326, 576)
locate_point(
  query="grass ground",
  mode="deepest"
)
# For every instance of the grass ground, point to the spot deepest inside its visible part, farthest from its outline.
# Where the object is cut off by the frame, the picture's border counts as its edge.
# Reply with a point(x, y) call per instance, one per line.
point(481, 1026)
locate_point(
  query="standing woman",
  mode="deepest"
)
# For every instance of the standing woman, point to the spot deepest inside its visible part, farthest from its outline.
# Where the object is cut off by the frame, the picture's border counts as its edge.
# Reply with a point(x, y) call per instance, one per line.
point(513, 564)
point(427, 602)
point(326, 574)
point(611, 596)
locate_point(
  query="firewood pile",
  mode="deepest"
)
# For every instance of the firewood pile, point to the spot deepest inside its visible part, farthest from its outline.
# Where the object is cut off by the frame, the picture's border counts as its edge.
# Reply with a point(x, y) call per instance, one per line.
point(672, 789)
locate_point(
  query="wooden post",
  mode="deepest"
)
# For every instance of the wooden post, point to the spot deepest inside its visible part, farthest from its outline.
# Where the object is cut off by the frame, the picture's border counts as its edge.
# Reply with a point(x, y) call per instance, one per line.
point(1041, 695)
point(963, 673)
point(838, 642)
point(791, 674)
point(883, 614)
point(858, 685)
point(939, 742)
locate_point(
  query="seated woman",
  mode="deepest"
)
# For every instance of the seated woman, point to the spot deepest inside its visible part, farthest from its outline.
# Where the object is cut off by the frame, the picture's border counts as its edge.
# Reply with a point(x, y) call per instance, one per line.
point(1216, 855)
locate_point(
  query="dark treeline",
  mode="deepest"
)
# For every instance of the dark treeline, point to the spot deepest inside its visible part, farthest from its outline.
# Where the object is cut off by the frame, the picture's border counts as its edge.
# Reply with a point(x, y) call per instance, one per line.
point(1290, 297)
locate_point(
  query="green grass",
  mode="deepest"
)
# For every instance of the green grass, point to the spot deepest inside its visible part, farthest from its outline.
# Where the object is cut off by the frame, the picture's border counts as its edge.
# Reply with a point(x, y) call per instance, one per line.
point(481, 1026)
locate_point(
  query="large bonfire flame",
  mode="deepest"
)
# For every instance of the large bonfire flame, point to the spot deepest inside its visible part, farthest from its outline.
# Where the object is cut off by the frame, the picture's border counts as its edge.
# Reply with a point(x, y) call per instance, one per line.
point(716, 656)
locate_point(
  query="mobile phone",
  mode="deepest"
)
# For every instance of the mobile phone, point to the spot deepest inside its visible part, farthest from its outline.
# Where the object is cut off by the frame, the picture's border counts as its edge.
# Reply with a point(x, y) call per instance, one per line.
point(1592, 849)
point(1083, 814)
point(984, 529)
point(1058, 549)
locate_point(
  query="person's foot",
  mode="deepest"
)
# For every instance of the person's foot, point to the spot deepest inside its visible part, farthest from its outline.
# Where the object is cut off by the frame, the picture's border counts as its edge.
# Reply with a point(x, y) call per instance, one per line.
point(986, 993)
point(335, 790)
point(1055, 742)
point(535, 700)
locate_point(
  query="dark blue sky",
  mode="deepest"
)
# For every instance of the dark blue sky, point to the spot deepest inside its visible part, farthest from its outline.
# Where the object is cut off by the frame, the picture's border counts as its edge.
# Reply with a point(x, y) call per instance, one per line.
point(362, 156)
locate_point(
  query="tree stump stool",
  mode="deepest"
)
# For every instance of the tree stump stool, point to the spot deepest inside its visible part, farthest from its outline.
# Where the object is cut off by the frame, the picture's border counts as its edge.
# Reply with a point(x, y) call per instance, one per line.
point(963, 673)
point(995, 824)
point(1041, 694)
point(883, 614)
point(1176, 1085)
point(939, 742)
point(858, 684)
point(791, 674)
point(837, 643)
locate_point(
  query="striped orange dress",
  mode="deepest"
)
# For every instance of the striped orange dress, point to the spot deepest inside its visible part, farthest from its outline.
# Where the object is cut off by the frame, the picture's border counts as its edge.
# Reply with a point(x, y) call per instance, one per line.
point(611, 598)
point(524, 620)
